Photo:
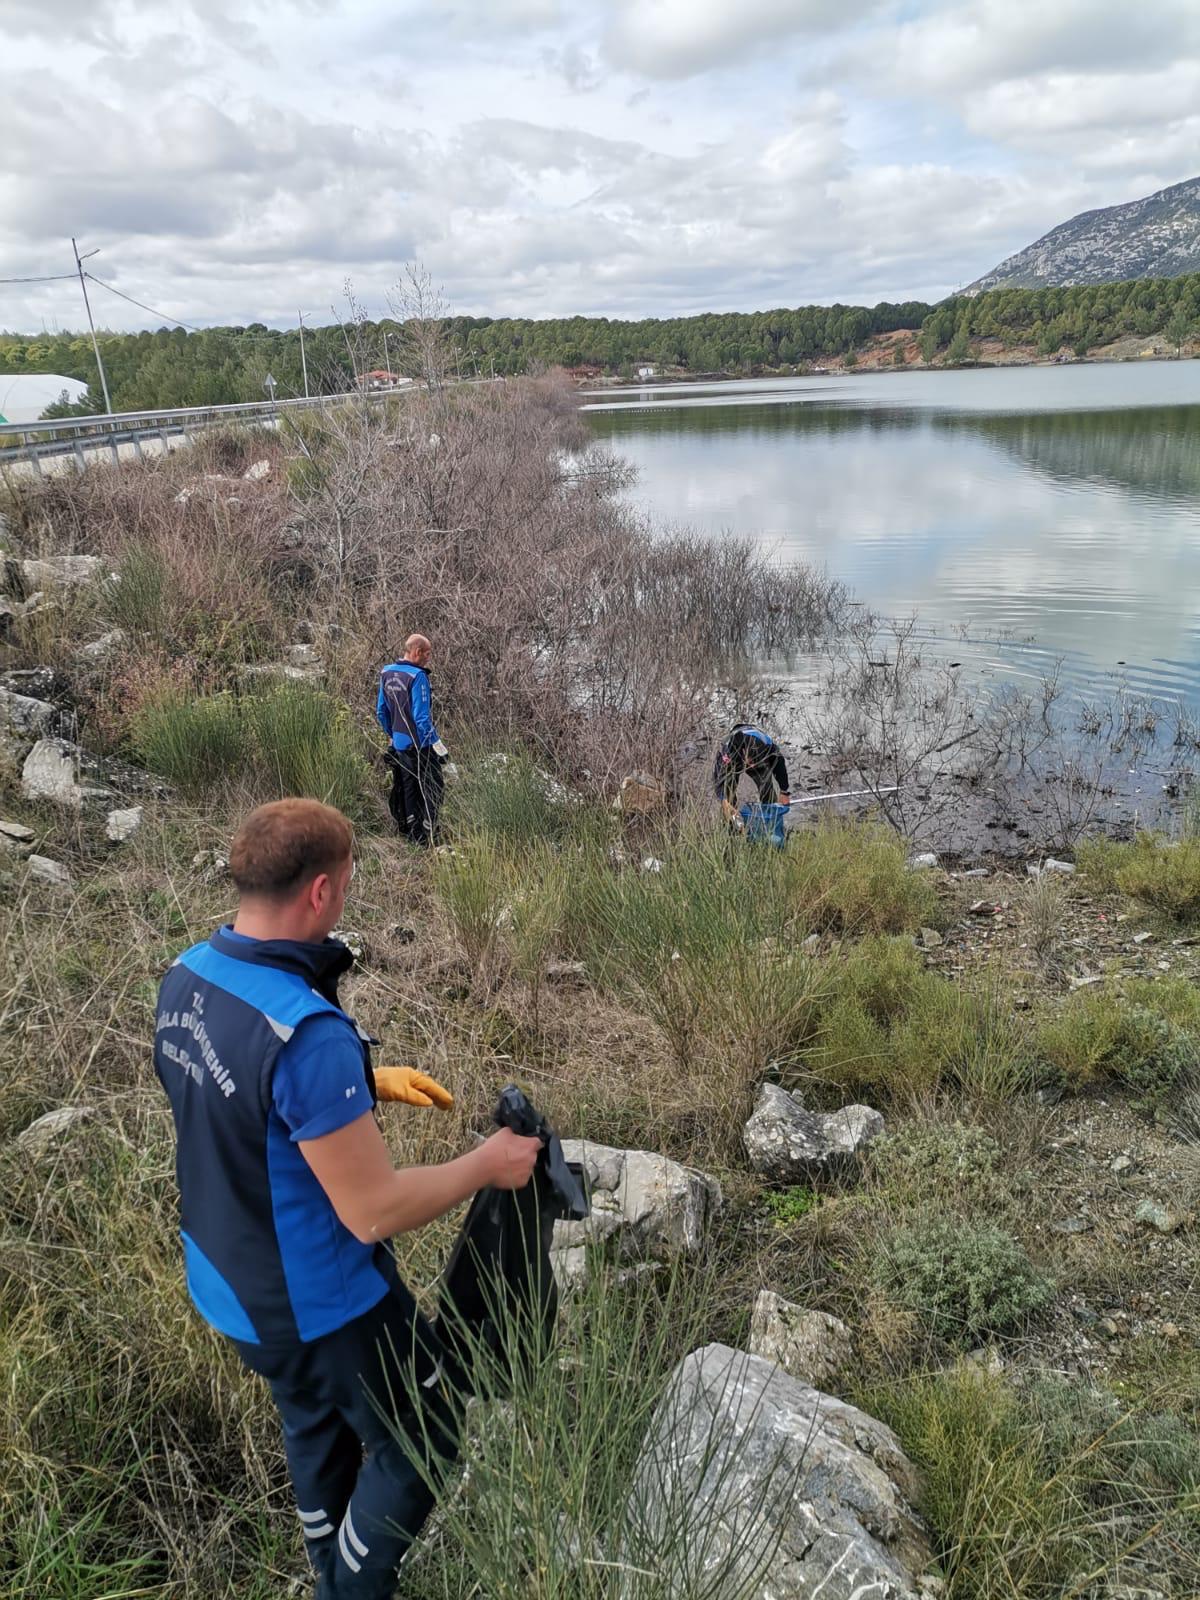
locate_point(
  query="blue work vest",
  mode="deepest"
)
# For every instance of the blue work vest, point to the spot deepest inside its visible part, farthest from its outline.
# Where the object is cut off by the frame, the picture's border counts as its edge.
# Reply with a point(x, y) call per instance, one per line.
point(268, 1260)
point(397, 684)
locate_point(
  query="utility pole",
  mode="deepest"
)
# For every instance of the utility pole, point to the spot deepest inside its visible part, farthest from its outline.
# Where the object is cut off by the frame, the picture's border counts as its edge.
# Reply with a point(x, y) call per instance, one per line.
point(79, 260)
point(303, 361)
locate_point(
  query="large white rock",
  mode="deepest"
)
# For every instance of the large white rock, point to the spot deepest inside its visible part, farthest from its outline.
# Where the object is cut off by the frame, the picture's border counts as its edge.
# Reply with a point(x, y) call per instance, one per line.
point(60, 571)
point(652, 1207)
point(766, 1489)
point(787, 1142)
point(51, 772)
point(811, 1346)
point(259, 471)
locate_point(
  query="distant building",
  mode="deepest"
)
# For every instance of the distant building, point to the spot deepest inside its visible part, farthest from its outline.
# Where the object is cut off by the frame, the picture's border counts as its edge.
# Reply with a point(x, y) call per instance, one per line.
point(382, 379)
point(25, 396)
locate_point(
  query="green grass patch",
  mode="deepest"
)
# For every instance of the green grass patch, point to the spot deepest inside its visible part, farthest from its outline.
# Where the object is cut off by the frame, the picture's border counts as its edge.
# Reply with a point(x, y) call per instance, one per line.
point(1162, 874)
point(1143, 1034)
point(290, 739)
point(1049, 1489)
point(891, 1027)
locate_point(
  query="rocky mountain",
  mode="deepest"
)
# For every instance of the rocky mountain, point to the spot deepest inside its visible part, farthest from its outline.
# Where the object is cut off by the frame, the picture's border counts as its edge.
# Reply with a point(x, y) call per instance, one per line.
point(1156, 237)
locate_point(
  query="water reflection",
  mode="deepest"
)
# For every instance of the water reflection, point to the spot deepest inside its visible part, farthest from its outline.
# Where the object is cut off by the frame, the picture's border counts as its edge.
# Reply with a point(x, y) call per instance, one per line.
point(1052, 533)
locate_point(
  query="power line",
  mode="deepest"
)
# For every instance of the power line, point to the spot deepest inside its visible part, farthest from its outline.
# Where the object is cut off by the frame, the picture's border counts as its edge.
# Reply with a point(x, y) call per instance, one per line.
point(54, 277)
point(142, 306)
point(280, 333)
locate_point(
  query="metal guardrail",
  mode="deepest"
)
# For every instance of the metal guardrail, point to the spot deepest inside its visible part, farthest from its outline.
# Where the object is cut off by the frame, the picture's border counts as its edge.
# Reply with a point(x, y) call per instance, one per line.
point(35, 442)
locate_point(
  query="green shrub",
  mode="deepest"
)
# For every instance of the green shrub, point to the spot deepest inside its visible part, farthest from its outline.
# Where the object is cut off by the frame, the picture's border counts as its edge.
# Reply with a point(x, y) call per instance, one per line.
point(889, 1026)
point(1163, 875)
point(786, 1206)
point(1027, 1490)
point(1131, 1036)
point(1098, 860)
point(965, 1280)
point(949, 1164)
point(854, 876)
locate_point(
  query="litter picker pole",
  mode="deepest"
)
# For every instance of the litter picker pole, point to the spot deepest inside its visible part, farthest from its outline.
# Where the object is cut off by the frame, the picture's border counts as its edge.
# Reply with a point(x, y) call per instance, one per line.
point(79, 260)
point(846, 794)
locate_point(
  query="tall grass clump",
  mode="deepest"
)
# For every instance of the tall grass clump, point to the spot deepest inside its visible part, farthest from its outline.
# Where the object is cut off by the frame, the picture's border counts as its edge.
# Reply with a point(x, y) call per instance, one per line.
point(135, 597)
point(854, 877)
point(1163, 874)
point(304, 742)
point(507, 796)
point(289, 739)
point(1047, 1490)
point(197, 743)
point(707, 943)
point(561, 1501)
point(889, 1027)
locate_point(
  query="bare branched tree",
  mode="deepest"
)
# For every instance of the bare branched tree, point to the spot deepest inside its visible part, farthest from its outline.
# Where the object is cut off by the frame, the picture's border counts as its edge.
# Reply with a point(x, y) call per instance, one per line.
point(424, 351)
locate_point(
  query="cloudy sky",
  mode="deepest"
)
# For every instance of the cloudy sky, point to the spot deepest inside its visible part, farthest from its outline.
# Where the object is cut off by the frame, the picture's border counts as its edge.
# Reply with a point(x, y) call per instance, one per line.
point(236, 160)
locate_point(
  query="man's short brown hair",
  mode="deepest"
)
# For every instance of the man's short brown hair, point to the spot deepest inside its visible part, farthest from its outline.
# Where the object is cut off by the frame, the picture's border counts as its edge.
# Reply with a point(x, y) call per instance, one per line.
point(286, 844)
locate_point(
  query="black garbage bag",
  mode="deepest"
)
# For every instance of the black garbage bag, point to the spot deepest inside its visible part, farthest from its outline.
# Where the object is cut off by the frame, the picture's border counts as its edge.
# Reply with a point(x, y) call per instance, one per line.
point(499, 1301)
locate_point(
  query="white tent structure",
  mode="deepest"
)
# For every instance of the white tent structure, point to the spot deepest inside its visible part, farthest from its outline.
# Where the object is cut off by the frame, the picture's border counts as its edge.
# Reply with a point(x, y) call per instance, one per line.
point(24, 396)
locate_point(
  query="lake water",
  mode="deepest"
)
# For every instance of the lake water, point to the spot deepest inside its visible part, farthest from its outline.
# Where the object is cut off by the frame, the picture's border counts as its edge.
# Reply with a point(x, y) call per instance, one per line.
point(1052, 512)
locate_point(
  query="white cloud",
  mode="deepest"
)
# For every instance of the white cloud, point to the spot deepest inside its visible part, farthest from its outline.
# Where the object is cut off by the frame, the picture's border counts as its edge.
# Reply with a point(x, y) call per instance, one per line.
point(677, 38)
point(237, 158)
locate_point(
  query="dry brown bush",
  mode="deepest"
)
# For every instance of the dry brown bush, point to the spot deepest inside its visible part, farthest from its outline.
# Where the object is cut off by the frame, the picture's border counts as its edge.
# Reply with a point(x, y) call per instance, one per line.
point(476, 514)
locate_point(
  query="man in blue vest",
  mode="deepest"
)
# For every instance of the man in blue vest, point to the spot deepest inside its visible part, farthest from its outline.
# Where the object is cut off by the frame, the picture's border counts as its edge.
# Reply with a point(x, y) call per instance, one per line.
point(288, 1194)
point(750, 751)
point(416, 752)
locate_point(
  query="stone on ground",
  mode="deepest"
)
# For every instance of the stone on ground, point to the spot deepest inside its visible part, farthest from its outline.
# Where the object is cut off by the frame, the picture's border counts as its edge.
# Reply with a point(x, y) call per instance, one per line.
point(650, 1207)
point(106, 645)
point(770, 1490)
point(122, 825)
point(811, 1346)
point(256, 473)
point(51, 773)
point(60, 572)
point(23, 714)
point(787, 1142)
point(15, 837)
point(51, 872)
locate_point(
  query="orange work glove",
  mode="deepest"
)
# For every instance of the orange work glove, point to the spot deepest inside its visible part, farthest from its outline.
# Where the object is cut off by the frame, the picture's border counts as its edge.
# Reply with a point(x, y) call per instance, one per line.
point(411, 1087)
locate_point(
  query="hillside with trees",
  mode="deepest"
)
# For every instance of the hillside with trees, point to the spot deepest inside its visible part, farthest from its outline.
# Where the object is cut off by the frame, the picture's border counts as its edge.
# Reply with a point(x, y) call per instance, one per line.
point(174, 367)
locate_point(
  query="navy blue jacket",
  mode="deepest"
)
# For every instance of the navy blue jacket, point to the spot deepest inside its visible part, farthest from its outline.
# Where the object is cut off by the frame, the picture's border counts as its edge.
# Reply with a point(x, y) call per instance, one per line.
point(404, 706)
point(268, 1260)
point(747, 749)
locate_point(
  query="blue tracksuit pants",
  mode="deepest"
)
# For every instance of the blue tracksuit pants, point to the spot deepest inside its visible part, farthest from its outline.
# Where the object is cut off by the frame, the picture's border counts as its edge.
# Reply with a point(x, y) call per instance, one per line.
point(361, 1498)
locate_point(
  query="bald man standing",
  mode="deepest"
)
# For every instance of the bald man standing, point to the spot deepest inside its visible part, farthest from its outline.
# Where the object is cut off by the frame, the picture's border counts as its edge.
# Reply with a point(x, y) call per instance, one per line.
point(404, 709)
